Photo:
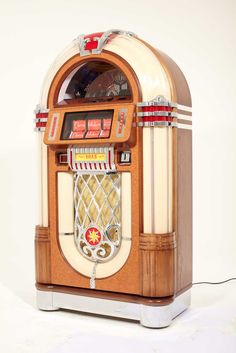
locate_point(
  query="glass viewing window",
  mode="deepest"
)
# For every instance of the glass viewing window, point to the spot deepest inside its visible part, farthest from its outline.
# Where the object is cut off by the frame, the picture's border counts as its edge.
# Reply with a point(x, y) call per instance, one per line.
point(87, 125)
point(94, 81)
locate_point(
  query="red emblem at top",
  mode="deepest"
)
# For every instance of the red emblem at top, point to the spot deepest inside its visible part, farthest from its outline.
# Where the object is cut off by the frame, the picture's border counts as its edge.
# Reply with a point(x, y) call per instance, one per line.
point(93, 236)
point(91, 40)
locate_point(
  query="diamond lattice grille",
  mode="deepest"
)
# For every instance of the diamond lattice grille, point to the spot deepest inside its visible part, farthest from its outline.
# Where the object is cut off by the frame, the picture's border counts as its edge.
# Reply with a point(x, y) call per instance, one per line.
point(97, 205)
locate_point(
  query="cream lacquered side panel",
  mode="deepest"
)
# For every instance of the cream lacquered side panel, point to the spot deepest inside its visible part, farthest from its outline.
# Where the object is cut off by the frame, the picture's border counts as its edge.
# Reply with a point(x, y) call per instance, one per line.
point(151, 75)
point(40, 186)
point(67, 242)
point(157, 183)
point(170, 167)
point(45, 183)
point(71, 50)
point(126, 205)
point(162, 179)
point(148, 214)
point(66, 203)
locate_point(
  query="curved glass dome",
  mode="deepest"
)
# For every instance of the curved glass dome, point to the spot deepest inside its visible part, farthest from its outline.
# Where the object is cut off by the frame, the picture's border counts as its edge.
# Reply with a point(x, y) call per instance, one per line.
point(94, 81)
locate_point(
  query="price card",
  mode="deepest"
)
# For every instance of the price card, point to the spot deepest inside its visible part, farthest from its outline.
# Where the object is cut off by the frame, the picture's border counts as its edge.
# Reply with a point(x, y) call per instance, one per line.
point(92, 134)
point(79, 125)
point(104, 133)
point(94, 124)
point(77, 134)
point(106, 124)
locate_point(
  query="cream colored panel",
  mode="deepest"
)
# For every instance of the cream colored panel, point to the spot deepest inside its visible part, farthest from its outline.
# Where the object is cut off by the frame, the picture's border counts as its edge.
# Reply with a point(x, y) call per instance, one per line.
point(65, 203)
point(185, 117)
point(72, 255)
point(162, 180)
point(126, 204)
point(43, 181)
point(109, 268)
point(40, 187)
point(44, 174)
point(184, 126)
point(170, 179)
point(84, 266)
point(148, 180)
point(71, 50)
point(150, 73)
point(67, 243)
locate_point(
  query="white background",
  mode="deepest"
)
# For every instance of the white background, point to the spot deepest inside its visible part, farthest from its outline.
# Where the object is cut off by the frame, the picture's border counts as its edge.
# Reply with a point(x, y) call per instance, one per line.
point(199, 35)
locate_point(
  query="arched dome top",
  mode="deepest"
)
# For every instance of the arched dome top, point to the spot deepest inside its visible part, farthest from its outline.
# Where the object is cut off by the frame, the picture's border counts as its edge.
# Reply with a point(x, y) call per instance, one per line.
point(157, 74)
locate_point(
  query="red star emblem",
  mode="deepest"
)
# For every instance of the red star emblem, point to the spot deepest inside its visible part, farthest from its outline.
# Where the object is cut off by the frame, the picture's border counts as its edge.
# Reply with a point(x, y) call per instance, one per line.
point(93, 236)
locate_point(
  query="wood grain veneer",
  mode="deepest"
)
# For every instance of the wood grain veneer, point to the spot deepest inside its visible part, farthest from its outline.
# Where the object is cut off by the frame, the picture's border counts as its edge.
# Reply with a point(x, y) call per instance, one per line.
point(127, 279)
point(158, 261)
point(130, 298)
point(183, 221)
point(42, 255)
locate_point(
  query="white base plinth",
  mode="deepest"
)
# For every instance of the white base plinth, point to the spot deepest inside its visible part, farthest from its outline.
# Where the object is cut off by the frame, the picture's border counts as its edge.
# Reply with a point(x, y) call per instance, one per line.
point(149, 316)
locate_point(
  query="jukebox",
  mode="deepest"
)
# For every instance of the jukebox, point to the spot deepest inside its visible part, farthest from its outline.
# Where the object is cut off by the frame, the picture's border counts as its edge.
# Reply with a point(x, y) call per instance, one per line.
point(114, 235)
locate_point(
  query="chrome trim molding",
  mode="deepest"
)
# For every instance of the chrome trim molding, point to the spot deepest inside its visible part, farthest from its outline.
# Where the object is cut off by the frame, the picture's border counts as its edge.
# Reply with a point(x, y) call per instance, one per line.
point(40, 109)
point(164, 124)
point(81, 41)
point(40, 129)
point(163, 102)
point(44, 301)
point(158, 113)
point(157, 123)
point(158, 101)
point(92, 281)
point(40, 120)
point(61, 155)
point(184, 107)
point(184, 117)
point(149, 316)
point(91, 166)
point(66, 234)
point(185, 126)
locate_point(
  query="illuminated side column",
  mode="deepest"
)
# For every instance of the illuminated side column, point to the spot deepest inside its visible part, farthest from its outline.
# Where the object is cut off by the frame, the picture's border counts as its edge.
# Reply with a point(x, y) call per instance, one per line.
point(157, 179)
point(44, 178)
point(148, 199)
point(40, 191)
point(162, 180)
point(157, 242)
